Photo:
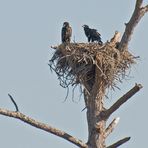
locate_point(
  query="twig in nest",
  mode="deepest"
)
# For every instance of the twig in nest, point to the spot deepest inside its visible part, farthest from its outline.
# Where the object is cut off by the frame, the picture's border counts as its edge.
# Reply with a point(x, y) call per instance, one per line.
point(66, 95)
point(16, 107)
point(81, 92)
point(73, 93)
point(80, 63)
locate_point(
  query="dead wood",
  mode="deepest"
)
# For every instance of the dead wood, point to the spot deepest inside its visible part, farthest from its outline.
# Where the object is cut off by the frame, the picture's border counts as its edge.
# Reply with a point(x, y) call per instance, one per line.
point(43, 126)
point(76, 63)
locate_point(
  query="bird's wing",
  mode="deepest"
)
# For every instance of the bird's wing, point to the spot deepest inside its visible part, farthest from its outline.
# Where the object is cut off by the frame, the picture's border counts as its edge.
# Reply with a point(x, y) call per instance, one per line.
point(87, 32)
point(94, 31)
point(63, 33)
point(98, 33)
point(70, 31)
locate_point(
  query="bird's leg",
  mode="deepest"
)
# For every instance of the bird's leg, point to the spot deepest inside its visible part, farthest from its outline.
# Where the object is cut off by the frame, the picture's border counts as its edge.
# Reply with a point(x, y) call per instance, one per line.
point(89, 39)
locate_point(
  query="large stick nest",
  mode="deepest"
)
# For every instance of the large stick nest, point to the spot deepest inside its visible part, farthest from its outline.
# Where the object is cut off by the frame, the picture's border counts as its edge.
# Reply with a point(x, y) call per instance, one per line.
point(76, 63)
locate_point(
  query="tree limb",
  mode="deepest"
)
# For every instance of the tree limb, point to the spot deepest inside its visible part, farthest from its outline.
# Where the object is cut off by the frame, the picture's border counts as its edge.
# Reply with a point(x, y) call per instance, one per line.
point(111, 126)
point(123, 99)
point(138, 4)
point(120, 142)
point(42, 126)
point(145, 9)
point(134, 20)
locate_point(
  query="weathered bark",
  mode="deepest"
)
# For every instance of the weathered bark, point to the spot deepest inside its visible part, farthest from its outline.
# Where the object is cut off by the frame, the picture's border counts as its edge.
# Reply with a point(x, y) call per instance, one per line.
point(94, 109)
point(138, 13)
point(97, 114)
point(43, 126)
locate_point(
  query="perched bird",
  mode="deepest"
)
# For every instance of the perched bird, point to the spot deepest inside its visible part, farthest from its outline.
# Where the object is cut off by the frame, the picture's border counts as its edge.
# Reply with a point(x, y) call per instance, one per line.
point(87, 31)
point(66, 33)
point(92, 34)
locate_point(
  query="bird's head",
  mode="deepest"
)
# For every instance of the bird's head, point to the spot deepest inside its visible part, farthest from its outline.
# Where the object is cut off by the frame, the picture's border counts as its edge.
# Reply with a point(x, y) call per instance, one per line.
point(65, 24)
point(85, 26)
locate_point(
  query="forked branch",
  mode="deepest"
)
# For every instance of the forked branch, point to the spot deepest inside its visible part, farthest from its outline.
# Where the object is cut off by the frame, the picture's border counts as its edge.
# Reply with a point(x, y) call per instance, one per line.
point(43, 126)
point(134, 20)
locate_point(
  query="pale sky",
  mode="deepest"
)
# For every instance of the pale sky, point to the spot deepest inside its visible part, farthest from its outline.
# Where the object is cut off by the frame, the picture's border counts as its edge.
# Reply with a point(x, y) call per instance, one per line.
point(27, 30)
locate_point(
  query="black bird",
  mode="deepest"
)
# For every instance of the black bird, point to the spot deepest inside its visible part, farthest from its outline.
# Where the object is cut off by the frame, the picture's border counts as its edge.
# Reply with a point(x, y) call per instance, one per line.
point(66, 33)
point(92, 34)
point(87, 31)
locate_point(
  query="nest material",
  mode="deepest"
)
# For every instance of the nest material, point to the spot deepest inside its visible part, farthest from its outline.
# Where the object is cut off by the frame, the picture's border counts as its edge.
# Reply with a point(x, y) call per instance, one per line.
point(76, 63)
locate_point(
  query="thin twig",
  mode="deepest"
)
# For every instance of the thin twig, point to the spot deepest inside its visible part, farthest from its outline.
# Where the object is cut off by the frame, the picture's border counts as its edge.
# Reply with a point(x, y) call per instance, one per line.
point(134, 20)
point(123, 99)
point(83, 109)
point(73, 93)
point(54, 47)
point(43, 126)
point(67, 93)
point(16, 107)
point(120, 142)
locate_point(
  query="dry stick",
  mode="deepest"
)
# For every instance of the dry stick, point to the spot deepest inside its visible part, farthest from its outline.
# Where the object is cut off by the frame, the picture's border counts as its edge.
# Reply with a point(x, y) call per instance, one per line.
point(43, 126)
point(129, 29)
point(111, 126)
point(116, 38)
point(16, 107)
point(123, 99)
point(120, 142)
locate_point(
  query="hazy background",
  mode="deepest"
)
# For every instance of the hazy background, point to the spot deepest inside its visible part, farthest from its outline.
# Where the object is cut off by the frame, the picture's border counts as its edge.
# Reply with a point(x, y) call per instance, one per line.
point(27, 30)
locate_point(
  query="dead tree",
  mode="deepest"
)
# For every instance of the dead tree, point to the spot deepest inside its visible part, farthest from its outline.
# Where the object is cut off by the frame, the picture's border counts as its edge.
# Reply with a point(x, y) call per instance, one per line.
point(95, 68)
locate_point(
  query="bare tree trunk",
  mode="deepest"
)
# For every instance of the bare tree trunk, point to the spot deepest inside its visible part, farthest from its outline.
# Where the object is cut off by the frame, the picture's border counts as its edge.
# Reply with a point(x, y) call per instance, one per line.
point(96, 125)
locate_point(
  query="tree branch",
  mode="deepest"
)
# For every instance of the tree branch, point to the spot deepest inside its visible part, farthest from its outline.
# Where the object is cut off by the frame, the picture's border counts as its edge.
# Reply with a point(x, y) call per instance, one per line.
point(145, 9)
point(134, 20)
point(111, 126)
point(123, 99)
point(16, 107)
point(138, 4)
point(43, 126)
point(120, 142)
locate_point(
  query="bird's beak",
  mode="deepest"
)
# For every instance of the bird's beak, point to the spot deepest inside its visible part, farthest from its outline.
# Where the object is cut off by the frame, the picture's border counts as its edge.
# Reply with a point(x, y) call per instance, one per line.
point(83, 26)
